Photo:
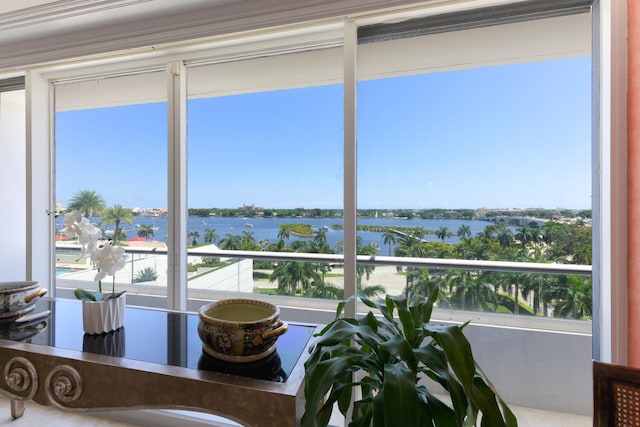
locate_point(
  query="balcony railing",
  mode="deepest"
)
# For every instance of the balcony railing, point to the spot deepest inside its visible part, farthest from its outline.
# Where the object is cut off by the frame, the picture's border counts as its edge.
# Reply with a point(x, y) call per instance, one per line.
point(528, 299)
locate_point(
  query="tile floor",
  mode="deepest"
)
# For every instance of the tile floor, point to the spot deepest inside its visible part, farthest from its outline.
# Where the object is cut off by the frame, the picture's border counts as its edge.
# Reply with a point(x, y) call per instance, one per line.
point(36, 415)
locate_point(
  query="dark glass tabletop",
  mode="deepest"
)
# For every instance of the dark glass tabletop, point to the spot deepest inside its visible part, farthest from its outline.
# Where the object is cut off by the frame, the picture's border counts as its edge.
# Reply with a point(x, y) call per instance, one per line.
point(155, 336)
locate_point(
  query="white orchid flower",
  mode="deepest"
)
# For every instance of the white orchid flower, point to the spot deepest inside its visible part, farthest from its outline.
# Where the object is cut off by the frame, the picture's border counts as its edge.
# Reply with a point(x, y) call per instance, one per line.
point(104, 256)
point(88, 237)
point(71, 223)
point(108, 259)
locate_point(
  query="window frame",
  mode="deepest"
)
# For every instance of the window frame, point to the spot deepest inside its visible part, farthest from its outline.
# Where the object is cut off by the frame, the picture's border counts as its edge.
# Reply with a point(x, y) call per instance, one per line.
point(176, 72)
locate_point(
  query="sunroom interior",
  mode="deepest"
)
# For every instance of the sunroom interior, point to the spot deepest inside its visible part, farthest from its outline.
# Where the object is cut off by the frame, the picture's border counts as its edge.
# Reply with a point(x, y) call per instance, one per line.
point(63, 58)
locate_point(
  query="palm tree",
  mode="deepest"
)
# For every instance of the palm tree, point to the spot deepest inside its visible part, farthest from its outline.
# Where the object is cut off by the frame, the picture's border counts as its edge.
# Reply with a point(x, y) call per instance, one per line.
point(247, 237)
point(146, 231)
point(230, 242)
point(409, 246)
point(505, 238)
point(210, 235)
point(291, 275)
point(116, 215)
point(88, 202)
point(422, 282)
point(283, 233)
point(418, 233)
point(193, 235)
point(464, 231)
point(474, 249)
point(573, 297)
point(471, 292)
point(523, 235)
point(488, 233)
point(320, 244)
point(442, 233)
point(363, 269)
point(389, 238)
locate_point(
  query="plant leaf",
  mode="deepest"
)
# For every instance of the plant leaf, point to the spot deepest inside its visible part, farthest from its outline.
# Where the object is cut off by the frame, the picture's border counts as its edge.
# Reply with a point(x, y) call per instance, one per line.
point(488, 402)
point(398, 346)
point(84, 295)
point(457, 350)
point(435, 412)
point(385, 308)
point(435, 363)
point(342, 305)
point(321, 376)
point(116, 295)
point(398, 396)
point(406, 319)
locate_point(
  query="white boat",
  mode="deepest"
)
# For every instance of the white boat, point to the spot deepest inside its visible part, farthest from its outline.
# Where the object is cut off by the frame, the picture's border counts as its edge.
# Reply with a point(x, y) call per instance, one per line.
point(248, 225)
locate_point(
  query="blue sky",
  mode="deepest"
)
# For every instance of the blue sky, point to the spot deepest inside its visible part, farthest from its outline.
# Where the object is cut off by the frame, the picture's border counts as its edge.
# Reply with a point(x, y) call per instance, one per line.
point(508, 136)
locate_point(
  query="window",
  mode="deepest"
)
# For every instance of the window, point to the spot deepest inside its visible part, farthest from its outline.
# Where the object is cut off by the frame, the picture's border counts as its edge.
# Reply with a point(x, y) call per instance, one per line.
point(477, 156)
point(266, 170)
point(235, 84)
point(111, 165)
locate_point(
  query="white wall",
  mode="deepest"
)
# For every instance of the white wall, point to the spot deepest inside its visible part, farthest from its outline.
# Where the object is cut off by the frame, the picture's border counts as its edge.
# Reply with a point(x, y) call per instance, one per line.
point(536, 369)
point(530, 367)
point(12, 182)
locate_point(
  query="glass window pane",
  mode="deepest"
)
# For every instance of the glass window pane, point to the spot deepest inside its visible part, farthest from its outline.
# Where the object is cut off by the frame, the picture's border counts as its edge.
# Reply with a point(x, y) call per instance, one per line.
point(111, 164)
point(488, 159)
point(265, 173)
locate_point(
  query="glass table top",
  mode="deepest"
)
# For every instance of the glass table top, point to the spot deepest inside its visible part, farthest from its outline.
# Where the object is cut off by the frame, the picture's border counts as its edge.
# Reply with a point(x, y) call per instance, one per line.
point(155, 336)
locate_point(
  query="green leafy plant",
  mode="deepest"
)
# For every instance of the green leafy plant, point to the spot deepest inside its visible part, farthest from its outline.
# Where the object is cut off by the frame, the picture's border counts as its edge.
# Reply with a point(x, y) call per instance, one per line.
point(388, 359)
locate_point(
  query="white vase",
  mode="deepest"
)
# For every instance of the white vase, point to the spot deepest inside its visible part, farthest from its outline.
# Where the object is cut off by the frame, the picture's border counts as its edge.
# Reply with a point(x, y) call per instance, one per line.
point(99, 317)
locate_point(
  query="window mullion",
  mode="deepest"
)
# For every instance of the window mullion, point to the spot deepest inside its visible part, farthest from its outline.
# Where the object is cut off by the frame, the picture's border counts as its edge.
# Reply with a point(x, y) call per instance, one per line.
point(177, 186)
point(350, 169)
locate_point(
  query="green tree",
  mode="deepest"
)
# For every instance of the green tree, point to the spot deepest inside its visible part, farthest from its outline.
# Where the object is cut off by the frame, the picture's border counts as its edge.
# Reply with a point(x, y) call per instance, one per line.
point(471, 292)
point(117, 215)
point(573, 297)
point(583, 255)
point(442, 233)
point(464, 231)
point(194, 235)
point(88, 202)
point(283, 233)
point(389, 238)
point(292, 275)
point(210, 235)
point(476, 248)
point(230, 242)
point(146, 231)
point(504, 236)
point(247, 237)
point(409, 246)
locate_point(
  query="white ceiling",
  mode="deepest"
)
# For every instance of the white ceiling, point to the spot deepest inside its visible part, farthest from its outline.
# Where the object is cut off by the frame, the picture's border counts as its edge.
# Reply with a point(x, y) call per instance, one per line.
point(29, 19)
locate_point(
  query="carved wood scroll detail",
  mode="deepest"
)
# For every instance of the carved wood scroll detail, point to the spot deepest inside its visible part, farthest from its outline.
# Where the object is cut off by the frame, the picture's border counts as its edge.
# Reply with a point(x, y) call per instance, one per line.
point(63, 385)
point(20, 375)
